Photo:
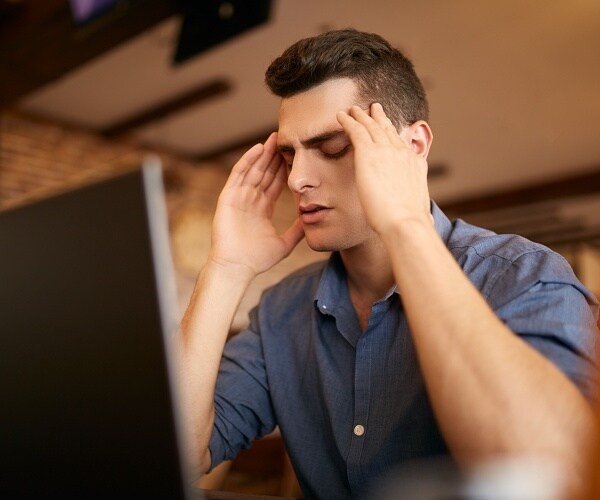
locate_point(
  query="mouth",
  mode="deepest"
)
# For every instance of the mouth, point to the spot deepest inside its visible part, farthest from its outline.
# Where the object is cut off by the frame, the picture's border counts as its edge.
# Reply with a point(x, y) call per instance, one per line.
point(312, 213)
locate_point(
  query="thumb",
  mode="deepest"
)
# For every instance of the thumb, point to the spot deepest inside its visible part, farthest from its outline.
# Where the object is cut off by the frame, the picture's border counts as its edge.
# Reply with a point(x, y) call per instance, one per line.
point(292, 236)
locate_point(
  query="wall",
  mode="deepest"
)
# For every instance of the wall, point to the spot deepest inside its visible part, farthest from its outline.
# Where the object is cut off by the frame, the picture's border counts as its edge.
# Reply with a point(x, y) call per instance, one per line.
point(39, 158)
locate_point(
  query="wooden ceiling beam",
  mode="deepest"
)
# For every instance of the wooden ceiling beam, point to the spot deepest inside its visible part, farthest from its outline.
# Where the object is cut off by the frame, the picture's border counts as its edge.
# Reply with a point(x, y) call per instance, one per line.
point(575, 185)
point(40, 41)
point(196, 96)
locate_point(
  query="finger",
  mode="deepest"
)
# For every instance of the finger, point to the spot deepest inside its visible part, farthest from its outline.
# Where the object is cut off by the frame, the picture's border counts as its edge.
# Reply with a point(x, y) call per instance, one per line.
point(253, 175)
point(239, 170)
point(271, 171)
point(279, 181)
point(376, 131)
point(292, 236)
point(378, 114)
point(357, 132)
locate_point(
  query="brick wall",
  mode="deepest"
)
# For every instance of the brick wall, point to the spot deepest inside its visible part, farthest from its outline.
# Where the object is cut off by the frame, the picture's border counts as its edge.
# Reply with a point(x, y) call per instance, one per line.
point(38, 158)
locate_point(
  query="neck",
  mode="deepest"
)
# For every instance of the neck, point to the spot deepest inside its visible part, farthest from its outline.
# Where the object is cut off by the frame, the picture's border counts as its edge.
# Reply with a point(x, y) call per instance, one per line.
point(369, 272)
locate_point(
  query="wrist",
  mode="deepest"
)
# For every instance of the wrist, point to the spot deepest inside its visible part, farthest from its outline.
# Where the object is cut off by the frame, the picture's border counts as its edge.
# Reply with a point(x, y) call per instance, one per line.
point(409, 229)
point(226, 271)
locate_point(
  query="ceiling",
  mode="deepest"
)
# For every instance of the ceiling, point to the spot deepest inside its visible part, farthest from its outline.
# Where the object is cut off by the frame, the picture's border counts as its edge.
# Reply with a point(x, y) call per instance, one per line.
point(514, 86)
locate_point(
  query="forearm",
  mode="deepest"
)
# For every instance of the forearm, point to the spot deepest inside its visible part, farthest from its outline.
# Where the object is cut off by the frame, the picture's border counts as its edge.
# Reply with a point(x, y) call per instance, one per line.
point(244, 244)
point(202, 336)
point(491, 392)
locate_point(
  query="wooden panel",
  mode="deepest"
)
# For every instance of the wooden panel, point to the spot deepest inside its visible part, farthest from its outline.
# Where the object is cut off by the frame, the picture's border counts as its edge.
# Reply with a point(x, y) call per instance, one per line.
point(201, 94)
point(581, 184)
point(39, 42)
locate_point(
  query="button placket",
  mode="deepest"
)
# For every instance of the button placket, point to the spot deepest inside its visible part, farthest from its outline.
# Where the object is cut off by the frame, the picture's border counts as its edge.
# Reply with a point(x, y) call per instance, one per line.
point(362, 376)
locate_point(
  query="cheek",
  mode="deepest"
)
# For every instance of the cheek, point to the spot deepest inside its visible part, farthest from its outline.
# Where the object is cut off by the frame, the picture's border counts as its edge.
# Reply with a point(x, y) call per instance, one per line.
point(346, 188)
point(346, 180)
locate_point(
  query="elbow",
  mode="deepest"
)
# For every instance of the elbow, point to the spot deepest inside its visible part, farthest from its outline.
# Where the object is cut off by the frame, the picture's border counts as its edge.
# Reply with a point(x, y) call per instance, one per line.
point(205, 461)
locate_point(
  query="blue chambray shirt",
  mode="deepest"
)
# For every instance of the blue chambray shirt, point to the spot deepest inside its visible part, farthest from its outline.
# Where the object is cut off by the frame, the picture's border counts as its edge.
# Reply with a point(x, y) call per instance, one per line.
point(304, 365)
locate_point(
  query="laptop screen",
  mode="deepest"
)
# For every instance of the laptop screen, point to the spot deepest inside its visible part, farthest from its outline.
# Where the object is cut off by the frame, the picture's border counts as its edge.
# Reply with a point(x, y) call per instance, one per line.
point(87, 308)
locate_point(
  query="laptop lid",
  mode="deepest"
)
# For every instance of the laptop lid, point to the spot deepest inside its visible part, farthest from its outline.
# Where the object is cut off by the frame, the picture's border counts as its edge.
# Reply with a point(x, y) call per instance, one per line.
point(87, 314)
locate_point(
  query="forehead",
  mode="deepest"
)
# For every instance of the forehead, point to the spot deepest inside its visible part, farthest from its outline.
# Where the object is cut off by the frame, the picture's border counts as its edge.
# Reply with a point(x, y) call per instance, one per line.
point(313, 112)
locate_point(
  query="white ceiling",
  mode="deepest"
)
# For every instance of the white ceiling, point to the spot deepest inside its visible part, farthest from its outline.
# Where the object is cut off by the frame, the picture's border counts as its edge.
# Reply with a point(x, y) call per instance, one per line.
point(514, 86)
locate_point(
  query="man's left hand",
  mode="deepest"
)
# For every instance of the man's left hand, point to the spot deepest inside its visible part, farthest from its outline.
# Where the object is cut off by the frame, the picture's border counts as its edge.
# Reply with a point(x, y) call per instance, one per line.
point(391, 177)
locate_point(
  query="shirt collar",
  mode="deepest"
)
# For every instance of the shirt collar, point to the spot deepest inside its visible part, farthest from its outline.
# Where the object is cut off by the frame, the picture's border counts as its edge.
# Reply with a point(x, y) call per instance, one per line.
point(333, 279)
point(443, 225)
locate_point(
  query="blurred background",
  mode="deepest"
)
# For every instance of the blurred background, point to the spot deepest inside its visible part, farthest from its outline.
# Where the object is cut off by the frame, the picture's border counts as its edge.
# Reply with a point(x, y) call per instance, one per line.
point(90, 87)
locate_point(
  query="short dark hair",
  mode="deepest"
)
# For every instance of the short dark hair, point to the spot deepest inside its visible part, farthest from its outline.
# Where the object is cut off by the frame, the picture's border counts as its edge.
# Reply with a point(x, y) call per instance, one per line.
point(382, 73)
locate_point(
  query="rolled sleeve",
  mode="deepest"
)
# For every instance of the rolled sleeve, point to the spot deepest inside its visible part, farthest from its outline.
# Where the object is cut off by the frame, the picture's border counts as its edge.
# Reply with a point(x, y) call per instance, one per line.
point(539, 298)
point(243, 408)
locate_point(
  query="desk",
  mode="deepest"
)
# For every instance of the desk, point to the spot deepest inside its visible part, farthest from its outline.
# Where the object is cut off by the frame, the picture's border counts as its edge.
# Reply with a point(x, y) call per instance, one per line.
point(227, 495)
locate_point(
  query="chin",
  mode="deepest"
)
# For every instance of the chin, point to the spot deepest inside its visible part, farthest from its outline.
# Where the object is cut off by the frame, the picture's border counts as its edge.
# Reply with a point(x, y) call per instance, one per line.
point(326, 244)
point(320, 245)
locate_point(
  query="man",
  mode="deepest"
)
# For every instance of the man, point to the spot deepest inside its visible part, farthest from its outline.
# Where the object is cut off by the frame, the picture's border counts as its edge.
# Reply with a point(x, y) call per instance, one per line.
point(419, 337)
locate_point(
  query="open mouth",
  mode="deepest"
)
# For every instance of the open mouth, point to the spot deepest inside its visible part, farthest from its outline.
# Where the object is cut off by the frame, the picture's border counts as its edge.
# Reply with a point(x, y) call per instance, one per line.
point(311, 214)
point(309, 209)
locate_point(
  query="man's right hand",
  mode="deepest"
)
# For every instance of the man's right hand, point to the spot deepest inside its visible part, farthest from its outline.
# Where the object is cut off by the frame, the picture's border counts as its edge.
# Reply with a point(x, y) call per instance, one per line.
point(243, 235)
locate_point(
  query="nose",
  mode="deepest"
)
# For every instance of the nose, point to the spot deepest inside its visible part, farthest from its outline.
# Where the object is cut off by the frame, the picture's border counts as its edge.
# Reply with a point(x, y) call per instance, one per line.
point(303, 174)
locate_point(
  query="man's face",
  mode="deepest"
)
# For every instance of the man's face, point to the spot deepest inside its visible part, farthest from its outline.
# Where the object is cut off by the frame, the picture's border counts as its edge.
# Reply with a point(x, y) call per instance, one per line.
point(320, 162)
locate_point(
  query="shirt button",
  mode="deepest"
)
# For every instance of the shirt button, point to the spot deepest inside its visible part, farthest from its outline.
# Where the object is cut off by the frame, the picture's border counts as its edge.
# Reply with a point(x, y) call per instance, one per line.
point(359, 430)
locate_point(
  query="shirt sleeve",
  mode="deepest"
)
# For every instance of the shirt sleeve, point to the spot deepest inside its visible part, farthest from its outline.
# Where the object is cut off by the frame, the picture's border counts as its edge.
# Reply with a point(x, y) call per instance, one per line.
point(243, 409)
point(539, 298)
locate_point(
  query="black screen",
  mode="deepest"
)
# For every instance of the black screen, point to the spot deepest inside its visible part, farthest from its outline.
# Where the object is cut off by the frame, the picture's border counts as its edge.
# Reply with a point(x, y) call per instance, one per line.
point(208, 23)
point(87, 408)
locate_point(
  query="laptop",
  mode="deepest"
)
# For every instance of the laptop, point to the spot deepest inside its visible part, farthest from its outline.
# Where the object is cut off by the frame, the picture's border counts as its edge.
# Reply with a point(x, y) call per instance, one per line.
point(90, 406)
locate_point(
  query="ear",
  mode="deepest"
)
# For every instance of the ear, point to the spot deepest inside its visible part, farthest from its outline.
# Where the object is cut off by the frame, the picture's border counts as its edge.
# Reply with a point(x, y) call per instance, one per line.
point(420, 137)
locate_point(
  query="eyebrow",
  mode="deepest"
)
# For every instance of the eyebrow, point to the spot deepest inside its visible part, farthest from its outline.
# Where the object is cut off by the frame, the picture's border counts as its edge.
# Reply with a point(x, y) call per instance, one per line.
point(314, 141)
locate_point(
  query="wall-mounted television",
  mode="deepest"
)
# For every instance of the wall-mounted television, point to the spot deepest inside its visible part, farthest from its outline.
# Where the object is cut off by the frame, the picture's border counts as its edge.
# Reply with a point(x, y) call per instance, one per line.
point(207, 23)
point(84, 11)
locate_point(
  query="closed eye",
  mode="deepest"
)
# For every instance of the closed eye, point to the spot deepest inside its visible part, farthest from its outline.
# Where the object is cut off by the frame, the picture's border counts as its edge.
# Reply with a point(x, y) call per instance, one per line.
point(334, 155)
point(334, 147)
